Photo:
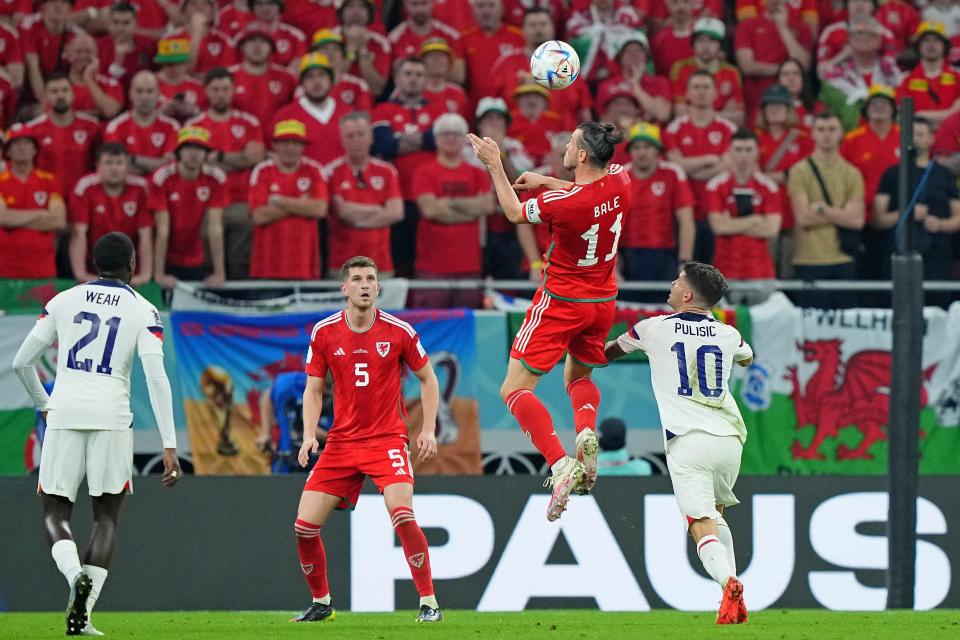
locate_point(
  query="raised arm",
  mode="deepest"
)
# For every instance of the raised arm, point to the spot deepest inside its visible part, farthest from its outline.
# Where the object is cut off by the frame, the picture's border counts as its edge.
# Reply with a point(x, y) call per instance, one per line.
point(488, 152)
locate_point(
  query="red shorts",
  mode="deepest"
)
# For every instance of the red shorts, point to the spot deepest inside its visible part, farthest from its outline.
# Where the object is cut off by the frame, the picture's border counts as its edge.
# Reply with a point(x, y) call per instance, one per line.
point(553, 327)
point(342, 468)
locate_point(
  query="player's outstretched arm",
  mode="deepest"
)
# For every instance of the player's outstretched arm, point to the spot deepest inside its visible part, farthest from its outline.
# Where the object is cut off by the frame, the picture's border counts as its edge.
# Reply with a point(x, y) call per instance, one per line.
point(488, 152)
point(613, 351)
point(161, 399)
point(429, 400)
point(312, 404)
point(24, 366)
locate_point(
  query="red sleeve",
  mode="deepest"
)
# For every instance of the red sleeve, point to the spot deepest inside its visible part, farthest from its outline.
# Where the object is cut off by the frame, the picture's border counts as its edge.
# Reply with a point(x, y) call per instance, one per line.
point(115, 91)
point(156, 201)
point(422, 183)
point(170, 145)
point(714, 199)
point(27, 42)
point(12, 52)
point(144, 219)
point(481, 181)
point(772, 202)
point(392, 188)
point(112, 134)
point(413, 352)
point(669, 139)
point(548, 207)
point(319, 189)
point(364, 102)
point(78, 209)
point(682, 194)
point(316, 365)
point(218, 194)
point(257, 195)
point(948, 137)
point(742, 37)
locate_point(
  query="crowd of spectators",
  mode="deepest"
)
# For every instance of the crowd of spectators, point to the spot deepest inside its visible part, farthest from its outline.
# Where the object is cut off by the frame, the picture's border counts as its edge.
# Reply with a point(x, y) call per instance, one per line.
point(272, 139)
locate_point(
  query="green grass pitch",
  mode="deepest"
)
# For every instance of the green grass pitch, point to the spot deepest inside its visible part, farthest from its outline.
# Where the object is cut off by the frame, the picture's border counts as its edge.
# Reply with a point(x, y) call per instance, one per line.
point(772, 624)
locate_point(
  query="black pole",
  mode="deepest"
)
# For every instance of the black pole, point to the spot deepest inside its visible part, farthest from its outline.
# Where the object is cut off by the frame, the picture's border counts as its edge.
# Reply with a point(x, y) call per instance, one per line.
point(905, 386)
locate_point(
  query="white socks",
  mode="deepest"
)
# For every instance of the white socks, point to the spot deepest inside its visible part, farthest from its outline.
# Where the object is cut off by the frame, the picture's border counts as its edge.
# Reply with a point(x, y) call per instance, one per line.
point(723, 532)
point(713, 555)
point(98, 575)
point(324, 600)
point(65, 554)
point(430, 601)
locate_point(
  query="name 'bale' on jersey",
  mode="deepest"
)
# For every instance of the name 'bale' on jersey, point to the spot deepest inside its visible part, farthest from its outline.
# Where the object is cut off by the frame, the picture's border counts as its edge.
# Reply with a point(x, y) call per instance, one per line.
point(691, 358)
point(100, 325)
point(586, 221)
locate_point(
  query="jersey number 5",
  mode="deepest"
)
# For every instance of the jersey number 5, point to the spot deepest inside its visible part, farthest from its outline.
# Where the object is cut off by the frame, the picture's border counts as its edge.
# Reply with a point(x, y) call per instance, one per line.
point(73, 362)
point(705, 390)
point(592, 236)
point(363, 376)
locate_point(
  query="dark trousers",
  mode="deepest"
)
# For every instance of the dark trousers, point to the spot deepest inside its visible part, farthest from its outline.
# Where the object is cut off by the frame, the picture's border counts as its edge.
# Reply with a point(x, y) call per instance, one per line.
point(703, 244)
point(826, 299)
point(403, 240)
point(502, 256)
point(647, 264)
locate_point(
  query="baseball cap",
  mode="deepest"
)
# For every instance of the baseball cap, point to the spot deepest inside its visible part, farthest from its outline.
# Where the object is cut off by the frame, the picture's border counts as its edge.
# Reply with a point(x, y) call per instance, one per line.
point(290, 130)
point(197, 136)
point(531, 87)
point(776, 94)
point(634, 35)
point(612, 90)
point(712, 27)
point(172, 50)
point(17, 132)
point(880, 91)
point(325, 36)
point(612, 434)
point(256, 30)
point(936, 28)
point(645, 132)
point(435, 44)
point(490, 104)
point(315, 61)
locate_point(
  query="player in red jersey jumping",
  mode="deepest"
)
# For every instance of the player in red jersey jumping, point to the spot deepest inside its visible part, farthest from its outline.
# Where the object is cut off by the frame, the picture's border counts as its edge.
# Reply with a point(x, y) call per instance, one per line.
point(573, 310)
point(365, 349)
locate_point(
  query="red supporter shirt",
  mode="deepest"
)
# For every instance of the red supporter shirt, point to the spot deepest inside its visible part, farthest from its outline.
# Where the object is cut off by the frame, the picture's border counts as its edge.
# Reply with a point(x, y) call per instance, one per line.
point(406, 43)
point(947, 140)
point(380, 183)
point(191, 89)
point(151, 141)
point(67, 152)
point(128, 212)
point(697, 7)
point(761, 36)
point(36, 192)
point(232, 20)
point(368, 369)
point(263, 95)
point(289, 248)
point(652, 221)
point(872, 155)
point(800, 148)
point(83, 101)
point(727, 77)
point(511, 70)
point(216, 50)
point(10, 50)
point(803, 11)
point(535, 135)
point(402, 119)
point(123, 71)
point(448, 248)
point(289, 44)
point(835, 37)
point(452, 97)
point(930, 94)
point(10, 7)
point(480, 50)
point(742, 257)
point(901, 19)
point(352, 92)
point(669, 46)
point(655, 86)
point(232, 135)
point(150, 15)
point(692, 141)
point(8, 100)
point(309, 16)
point(34, 38)
point(323, 126)
point(586, 220)
point(379, 46)
point(186, 202)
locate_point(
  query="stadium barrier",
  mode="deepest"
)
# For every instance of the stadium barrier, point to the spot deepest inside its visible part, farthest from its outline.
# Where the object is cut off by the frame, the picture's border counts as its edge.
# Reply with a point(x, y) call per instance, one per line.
point(228, 543)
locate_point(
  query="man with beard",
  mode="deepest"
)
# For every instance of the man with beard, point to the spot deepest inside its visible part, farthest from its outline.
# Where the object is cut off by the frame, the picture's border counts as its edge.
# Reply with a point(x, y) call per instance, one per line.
point(148, 135)
point(110, 200)
point(236, 139)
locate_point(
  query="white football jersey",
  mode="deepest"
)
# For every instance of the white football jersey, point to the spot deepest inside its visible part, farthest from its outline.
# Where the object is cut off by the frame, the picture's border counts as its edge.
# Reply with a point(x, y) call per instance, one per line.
point(99, 326)
point(691, 357)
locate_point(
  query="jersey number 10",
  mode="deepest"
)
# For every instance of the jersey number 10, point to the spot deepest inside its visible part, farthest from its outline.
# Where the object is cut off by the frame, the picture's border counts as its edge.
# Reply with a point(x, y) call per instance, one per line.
point(84, 365)
point(705, 390)
point(592, 238)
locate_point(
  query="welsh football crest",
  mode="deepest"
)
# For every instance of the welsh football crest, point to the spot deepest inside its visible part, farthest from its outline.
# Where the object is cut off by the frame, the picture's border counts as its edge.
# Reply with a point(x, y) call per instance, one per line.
point(376, 182)
point(157, 138)
point(348, 96)
point(275, 87)
point(41, 198)
point(383, 348)
point(80, 136)
point(658, 188)
point(214, 48)
point(283, 46)
point(203, 194)
point(238, 130)
point(130, 208)
point(303, 183)
point(715, 137)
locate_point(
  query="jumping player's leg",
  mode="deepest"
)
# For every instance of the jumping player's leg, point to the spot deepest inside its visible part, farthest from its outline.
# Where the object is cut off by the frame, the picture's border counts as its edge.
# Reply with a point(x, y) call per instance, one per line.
point(530, 412)
point(398, 498)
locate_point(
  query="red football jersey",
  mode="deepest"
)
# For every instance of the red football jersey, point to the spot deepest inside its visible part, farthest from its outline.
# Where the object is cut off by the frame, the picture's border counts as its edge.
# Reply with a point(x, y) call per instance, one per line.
point(742, 257)
point(353, 92)
point(379, 46)
point(835, 37)
point(288, 249)
point(124, 69)
point(761, 36)
point(587, 220)
point(67, 152)
point(83, 101)
point(872, 155)
point(404, 120)
point(151, 141)
point(323, 126)
point(310, 16)
point(652, 221)
point(406, 43)
point(289, 44)
point(8, 100)
point(10, 7)
point(91, 205)
point(186, 201)
point(34, 38)
point(449, 248)
point(36, 192)
point(901, 19)
point(727, 78)
point(930, 93)
point(668, 46)
point(10, 50)
point(535, 135)
point(479, 49)
point(378, 183)
point(513, 69)
point(263, 95)
point(232, 20)
point(216, 50)
point(685, 136)
point(232, 135)
point(452, 97)
point(800, 148)
point(368, 369)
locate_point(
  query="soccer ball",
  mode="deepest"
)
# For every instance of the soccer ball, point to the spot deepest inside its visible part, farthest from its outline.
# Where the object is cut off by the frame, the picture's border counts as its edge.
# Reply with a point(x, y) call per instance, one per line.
point(555, 64)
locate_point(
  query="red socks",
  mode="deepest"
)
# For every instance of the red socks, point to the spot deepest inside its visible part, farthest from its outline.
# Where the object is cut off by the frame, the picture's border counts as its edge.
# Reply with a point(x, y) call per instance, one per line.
point(585, 398)
point(536, 422)
point(414, 545)
point(313, 558)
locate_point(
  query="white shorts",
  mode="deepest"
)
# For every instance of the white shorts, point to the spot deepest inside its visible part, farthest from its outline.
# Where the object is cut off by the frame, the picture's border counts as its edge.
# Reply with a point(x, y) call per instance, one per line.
point(703, 469)
point(105, 457)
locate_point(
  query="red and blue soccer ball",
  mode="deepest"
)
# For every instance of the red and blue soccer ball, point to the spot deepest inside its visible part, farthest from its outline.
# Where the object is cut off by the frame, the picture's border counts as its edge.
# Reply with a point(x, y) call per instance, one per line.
point(555, 65)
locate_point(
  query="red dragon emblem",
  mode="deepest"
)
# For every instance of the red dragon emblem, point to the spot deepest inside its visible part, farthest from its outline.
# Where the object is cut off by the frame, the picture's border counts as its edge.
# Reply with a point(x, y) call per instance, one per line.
point(855, 393)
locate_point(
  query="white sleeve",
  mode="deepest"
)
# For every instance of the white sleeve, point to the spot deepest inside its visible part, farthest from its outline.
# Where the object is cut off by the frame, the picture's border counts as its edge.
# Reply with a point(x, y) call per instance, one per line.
point(743, 351)
point(24, 366)
point(150, 339)
point(161, 398)
point(637, 337)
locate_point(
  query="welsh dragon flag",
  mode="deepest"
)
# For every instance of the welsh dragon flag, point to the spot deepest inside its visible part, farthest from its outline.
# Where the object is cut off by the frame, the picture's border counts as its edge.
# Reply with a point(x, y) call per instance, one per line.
point(816, 400)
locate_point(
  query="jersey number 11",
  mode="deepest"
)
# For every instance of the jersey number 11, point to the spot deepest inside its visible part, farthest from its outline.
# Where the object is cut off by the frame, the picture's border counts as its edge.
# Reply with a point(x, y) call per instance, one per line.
point(592, 238)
